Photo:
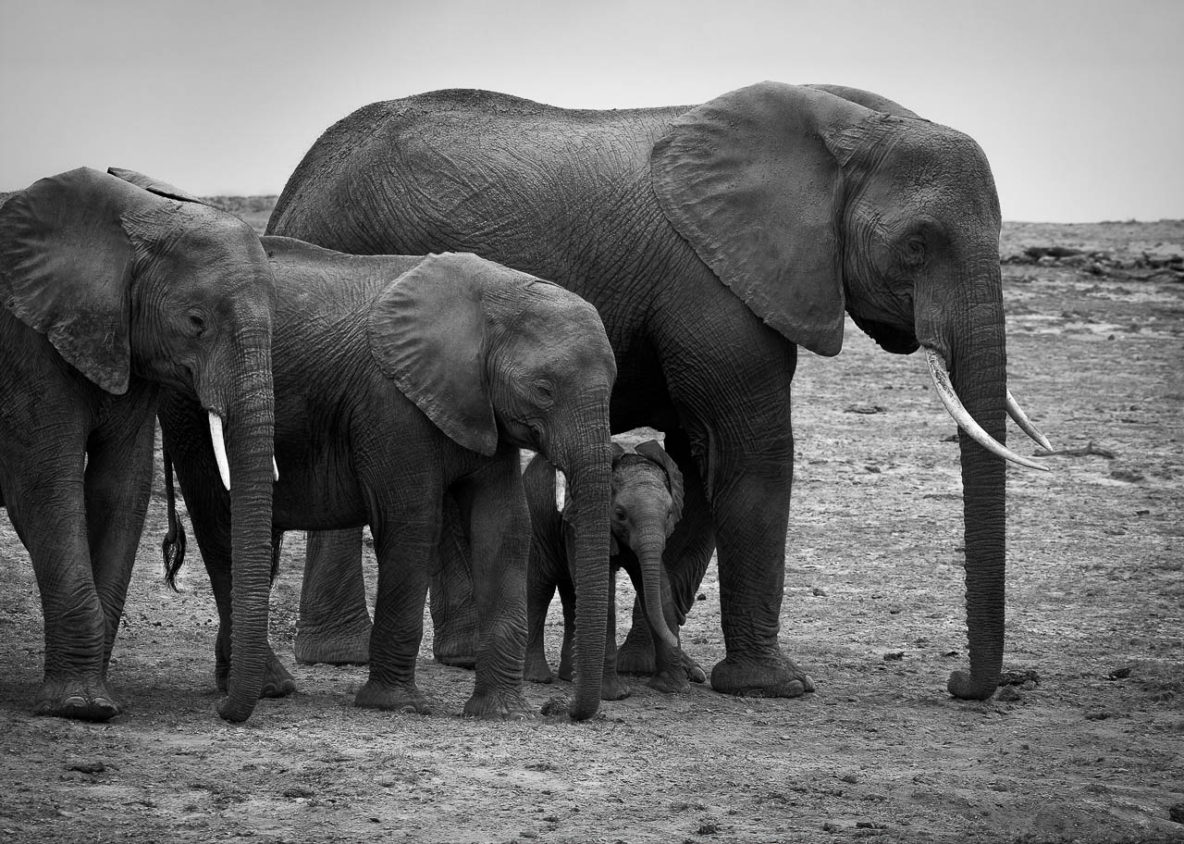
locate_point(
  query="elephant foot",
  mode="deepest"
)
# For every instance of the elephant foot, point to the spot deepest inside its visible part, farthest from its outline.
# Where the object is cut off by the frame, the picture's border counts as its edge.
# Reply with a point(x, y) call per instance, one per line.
point(612, 687)
point(505, 705)
point(344, 645)
point(277, 681)
point(770, 676)
point(536, 670)
point(636, 653)
point(455, 645)
point(671, 682)
point(401, 697)
point(82, 698)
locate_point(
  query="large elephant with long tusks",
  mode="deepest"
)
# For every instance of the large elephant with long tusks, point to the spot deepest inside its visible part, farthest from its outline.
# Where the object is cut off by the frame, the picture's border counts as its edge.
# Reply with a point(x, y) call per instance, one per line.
point(114, 285)
point(714, 240)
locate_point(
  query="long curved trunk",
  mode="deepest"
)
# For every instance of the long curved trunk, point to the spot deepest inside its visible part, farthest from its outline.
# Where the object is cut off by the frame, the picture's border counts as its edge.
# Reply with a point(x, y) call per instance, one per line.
point(650, 545)
point(250, 433)
point(979, 375)
point(587, 467)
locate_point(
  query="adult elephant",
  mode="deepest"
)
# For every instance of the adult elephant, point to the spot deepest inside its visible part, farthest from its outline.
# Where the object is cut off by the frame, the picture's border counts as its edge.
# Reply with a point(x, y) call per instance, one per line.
point(403, 381)
point(111, 290)
point(714, 240)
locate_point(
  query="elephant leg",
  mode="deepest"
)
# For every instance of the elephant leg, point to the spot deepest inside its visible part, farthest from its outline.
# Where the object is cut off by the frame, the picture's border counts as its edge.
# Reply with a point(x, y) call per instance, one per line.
point(567, 598)
point(118, 485)
point(454, 613)
point(612, 687)
point(493, 505)
point(540, 589)
point(687, 555)
point(404, 550)
point(213, 539)
point(48, 514)
point(334, 625)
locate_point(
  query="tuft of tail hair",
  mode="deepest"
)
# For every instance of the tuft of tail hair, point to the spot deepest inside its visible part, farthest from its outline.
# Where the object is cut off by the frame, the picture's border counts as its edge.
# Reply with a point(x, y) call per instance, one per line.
point(173, 544)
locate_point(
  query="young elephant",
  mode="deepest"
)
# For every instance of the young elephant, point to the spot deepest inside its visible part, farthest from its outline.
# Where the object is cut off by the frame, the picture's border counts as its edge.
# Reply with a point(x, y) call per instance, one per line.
point(647, 498)
point(405, 385)
point(110, 290)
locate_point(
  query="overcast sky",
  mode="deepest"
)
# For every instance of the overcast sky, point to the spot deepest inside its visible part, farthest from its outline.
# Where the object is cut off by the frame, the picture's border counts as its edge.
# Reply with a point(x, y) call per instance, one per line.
point(1079, 104)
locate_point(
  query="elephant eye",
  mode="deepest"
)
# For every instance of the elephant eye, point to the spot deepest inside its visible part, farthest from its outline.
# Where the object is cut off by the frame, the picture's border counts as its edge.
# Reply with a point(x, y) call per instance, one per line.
point(545, 392)
point(914, 250)
point(197, 324)
point(619, 513)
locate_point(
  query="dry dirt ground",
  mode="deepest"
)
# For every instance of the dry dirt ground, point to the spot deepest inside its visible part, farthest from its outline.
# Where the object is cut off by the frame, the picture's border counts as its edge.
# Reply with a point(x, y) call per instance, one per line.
point(1087, 744)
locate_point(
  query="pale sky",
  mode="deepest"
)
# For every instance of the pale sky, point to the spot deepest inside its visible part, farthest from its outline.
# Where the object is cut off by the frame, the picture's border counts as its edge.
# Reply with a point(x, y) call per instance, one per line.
point(1079, 104)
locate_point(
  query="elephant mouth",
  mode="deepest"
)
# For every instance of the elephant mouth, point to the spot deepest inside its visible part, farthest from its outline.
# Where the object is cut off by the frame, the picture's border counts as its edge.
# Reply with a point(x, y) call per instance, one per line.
point(218, 439)
point(949, 397)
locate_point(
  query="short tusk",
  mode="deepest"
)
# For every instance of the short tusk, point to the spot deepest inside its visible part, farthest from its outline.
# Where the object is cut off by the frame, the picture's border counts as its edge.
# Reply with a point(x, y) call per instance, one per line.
point(275, 469)
point(219, 442)
point(1017, 413)
point(945, 391)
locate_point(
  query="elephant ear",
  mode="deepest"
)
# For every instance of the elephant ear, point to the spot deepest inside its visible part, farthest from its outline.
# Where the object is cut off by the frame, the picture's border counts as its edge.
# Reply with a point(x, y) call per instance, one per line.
point(427, 334)
point(154, 185)
point(750, 180)
point(651, 450)
point(66, 268)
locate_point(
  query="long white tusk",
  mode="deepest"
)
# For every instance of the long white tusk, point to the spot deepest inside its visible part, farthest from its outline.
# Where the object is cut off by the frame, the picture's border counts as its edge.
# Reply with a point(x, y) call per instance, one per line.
point(275, 470)
point(219, 442)
point(945, 391)
point(1017, 413)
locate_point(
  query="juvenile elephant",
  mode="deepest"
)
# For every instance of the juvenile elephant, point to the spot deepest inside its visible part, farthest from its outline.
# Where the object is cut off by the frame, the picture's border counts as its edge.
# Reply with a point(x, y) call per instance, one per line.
point(714, 240)
point(111, 291)
point(647, 496)
point(408, 384)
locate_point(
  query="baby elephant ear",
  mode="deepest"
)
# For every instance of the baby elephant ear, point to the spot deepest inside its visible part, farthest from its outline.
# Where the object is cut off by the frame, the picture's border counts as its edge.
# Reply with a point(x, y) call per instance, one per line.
point(154, 185)
point(66, 267)
point(750, 181)
point(427, 334)
point(651, 450)
point(618, 452)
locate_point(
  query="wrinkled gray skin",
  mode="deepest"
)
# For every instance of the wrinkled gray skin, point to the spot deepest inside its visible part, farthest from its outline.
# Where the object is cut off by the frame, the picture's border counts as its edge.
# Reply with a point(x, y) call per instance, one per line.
point(714, 240)
point(647, 496)
point(404, 387)
point(111, 291)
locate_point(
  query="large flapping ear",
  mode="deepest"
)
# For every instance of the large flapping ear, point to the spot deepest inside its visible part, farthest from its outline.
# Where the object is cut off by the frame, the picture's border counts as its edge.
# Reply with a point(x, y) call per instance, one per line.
point(154, 185)
point(867, 99)
point(651, 450)
point(750, 181)
point(427, 333)
point(66, 268)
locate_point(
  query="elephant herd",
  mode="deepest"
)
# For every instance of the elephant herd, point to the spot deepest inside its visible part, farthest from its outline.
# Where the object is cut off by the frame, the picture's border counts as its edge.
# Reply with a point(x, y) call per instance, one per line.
point(447, 279)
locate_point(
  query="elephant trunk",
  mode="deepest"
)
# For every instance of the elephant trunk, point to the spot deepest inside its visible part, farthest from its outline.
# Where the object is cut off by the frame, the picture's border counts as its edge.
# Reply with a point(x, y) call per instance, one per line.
point(250, 430)
point(588, 468)
point(979, 376)
point(649, 547)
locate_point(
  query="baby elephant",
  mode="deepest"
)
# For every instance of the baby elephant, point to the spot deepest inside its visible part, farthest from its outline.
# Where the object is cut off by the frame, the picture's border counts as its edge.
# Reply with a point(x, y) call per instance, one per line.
point(647, 497)
point(404, 387)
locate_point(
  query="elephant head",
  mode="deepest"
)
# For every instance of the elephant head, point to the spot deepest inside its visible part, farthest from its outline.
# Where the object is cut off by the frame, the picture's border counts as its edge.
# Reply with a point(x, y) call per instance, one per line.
point(490, 354)
point(811, 201)
point(130, 283)
point(647, 498)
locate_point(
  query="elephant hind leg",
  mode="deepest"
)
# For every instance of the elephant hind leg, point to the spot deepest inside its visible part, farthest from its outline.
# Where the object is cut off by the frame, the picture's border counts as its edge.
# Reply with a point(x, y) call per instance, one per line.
point(334, 625)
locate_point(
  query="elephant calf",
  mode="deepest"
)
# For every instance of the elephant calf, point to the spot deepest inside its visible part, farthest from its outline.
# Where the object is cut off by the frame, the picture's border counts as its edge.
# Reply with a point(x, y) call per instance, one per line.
point(647, 498)
point(404, 387)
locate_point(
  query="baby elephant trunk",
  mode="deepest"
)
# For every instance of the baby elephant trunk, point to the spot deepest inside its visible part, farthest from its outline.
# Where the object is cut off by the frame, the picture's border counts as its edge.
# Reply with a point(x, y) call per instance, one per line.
point(649, 547)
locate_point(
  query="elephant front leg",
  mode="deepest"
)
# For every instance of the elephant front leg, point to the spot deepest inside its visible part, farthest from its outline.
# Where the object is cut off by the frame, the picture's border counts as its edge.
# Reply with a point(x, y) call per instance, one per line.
point(454, 613)
point(49, 517)
point(751, 514)
point(495, 507)
point(334, 625)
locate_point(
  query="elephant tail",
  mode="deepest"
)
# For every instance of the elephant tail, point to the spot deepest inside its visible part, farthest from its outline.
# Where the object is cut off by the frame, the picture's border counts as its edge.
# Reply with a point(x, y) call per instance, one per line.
point(173, 544)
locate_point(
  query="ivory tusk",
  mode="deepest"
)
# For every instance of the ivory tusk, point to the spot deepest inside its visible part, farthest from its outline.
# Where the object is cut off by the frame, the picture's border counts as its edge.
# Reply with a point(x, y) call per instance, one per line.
point(219, 442)
point(275, 469)
point(1017, 413)
point(945, 391)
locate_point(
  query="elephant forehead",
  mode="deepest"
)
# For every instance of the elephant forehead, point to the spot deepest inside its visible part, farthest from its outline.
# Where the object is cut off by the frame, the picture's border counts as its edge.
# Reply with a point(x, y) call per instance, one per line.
point(634, 472)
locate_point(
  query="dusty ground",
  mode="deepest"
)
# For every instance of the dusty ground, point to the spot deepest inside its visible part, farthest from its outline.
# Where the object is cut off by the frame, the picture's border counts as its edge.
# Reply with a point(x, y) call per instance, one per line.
point(1089, 748)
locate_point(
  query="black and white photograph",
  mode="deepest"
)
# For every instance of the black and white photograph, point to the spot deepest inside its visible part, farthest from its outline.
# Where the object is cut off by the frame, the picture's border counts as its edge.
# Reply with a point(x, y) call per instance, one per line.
point(623, 422)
